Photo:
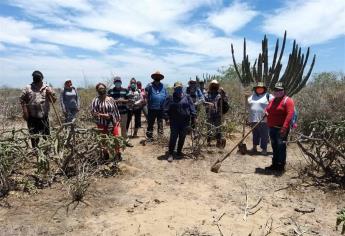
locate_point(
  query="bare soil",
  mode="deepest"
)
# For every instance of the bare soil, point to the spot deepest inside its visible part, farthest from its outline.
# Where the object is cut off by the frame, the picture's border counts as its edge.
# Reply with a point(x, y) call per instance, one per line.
point(154, 197)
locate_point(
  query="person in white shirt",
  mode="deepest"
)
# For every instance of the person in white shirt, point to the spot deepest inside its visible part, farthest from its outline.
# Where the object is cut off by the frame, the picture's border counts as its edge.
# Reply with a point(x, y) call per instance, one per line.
point(258, 102)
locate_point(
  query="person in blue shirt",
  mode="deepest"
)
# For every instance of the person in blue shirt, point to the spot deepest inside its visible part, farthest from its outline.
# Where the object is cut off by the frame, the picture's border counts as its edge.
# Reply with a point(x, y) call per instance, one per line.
point(180, 110)
point(196, 94)
point(156, 94)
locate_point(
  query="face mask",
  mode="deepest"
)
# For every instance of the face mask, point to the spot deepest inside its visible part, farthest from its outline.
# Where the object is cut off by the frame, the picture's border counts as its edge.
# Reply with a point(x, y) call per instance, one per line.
point(259, 90)
point(37, 80)
point(139, 86)
point(279, 94)
point(133, 86)
point(157, 80)
point(102, 92)
point(117, 84)
point(178, 91)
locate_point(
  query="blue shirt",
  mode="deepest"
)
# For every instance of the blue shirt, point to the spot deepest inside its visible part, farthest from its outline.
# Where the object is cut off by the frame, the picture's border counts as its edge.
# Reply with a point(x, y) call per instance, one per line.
point(156, 95)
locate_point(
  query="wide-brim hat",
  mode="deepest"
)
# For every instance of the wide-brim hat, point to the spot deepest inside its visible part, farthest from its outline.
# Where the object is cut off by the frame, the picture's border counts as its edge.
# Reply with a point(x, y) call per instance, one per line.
point(157, 75)
point(37, 73)
point(178, 84)
point(260, 85)
point(279, 86)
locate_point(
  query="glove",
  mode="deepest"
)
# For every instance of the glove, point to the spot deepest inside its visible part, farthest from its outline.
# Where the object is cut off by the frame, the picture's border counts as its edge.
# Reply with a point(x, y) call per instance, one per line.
point(283, 132)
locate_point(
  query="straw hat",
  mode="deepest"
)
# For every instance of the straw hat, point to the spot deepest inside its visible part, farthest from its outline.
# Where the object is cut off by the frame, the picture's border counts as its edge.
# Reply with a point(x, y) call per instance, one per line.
point(157, 75)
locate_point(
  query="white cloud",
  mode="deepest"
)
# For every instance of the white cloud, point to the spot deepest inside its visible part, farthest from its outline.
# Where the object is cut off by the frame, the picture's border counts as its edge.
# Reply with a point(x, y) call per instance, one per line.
point(232, 18)
point(309, 21)
point(15, 32)
point(22, 33)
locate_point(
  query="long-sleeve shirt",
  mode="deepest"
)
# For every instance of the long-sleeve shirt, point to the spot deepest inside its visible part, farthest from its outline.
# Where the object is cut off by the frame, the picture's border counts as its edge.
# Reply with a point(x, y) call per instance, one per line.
point(105, 106)
point(136, 99)
point(257, 105)
point(196, 95)
point(280, 112)
point(179, 110)
point(214, 112)
point(69, 99)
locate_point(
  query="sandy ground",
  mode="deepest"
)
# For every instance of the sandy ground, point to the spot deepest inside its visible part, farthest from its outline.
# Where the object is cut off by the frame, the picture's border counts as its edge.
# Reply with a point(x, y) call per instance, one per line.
point(154, 197)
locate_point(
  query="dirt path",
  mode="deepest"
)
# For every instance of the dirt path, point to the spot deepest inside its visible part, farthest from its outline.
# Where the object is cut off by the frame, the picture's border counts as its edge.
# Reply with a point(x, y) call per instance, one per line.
point(154, 197)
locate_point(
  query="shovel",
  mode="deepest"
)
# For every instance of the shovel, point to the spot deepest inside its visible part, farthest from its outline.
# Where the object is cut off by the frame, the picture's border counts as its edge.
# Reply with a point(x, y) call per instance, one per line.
point(216, 166)
point(55, 111)
point(242, 147)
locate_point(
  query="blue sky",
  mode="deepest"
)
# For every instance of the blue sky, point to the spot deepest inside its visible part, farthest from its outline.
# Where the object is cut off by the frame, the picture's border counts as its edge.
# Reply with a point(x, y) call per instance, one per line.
point(89, 41)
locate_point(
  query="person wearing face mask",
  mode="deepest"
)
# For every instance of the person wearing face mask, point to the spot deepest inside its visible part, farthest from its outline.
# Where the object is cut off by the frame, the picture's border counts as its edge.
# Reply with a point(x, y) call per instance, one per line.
point(156, 94)
point(217, 105)
point(120, 95)
point(180, 110)
point(106, 113)
point(280, 112)
point(258, 102)
point(69, 101)
point(144, 103)
point(134, 107)
point(194, 92)
point(34, 101)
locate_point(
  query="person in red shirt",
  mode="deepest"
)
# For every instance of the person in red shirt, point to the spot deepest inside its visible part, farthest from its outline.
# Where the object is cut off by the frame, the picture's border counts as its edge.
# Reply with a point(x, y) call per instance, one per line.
point(279, 113)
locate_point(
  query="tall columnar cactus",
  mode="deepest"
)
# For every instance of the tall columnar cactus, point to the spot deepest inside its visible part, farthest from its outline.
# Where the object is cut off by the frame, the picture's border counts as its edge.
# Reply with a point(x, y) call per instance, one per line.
point(292, 78)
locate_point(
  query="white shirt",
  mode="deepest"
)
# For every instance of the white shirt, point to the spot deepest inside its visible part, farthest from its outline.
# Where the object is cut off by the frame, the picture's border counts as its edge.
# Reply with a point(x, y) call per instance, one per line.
point(257, 105)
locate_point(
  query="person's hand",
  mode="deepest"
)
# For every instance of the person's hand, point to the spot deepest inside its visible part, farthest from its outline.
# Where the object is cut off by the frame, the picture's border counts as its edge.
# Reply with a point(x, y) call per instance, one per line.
point(222, 92)
point(266, 114)
point(167, 122)
point(283, 132)
point(49, 91)
point(105, 116)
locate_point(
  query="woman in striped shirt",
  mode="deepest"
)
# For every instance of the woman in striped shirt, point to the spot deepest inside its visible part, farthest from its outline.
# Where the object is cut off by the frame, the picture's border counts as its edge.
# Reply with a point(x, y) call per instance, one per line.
point(105, 111)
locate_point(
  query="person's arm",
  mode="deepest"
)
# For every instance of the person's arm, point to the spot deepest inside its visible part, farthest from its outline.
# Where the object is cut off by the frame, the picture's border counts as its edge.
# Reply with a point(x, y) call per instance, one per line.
point(116, 113)
point(192, 109)
point(62, 103)
point(23, 102)
point(289, 106)
point(51, 94)
point(166, 108)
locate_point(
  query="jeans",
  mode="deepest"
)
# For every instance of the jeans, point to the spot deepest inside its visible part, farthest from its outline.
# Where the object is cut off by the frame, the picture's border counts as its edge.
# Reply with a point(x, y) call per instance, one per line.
point(38, 126)
point(278, 146)
point(260, 135)
point(152, 116)
point(70, 115)
point(177, 131)
point(137, 118)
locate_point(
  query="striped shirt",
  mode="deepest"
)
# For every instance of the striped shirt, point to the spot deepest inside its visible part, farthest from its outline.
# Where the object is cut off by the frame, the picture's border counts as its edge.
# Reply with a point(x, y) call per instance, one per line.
point(106, 106)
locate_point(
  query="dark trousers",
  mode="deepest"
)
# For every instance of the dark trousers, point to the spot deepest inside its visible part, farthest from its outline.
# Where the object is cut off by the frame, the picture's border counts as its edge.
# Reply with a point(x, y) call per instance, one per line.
point(38, 126)
point(152, 116)
point(260, 135)
point(177, 131)
point(137, 118)
point(214, 126)
point(278, 146)
point(70, 115)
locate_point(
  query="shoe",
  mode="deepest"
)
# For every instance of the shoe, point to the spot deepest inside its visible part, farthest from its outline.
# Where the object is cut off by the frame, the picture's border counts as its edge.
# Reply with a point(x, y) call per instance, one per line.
point(264, 152)
point(128, 144)
point(271, 168)
point(170, 158)
point(118, 157)
point(253, 151)
point(180, 155)
point(280, 168)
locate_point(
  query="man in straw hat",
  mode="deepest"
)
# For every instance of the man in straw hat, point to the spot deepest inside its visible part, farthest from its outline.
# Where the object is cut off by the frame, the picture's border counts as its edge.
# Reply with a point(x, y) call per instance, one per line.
point(156, 95)
point(216, 106)
point(258, 102)
point(180, 110)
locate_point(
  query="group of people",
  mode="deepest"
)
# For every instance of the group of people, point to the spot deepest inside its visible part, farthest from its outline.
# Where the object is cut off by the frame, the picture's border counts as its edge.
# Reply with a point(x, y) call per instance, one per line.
point(114, 108)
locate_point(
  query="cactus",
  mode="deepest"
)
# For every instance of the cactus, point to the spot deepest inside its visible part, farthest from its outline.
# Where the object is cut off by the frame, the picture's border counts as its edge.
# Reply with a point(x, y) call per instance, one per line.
point(292, 78)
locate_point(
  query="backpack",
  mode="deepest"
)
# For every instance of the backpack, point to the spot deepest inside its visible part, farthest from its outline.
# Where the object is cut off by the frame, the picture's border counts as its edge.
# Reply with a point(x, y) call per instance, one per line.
point(293, 122)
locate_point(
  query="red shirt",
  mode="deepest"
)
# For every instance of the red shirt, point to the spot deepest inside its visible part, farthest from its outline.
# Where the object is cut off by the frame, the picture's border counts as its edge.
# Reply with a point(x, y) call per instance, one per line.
point(280, 114)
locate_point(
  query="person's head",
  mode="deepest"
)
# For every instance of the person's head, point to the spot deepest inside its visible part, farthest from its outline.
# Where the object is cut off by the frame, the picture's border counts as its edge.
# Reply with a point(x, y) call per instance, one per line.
point(214, 86)
point(279, 90)
point(139, 85)
point(260, 88)
point(101, 89)
point(157, 76)
point(37, 77)
point(192, 84)
point(133, 84)
point(117, 82)
point(178, 89)
point(68, 83)
point(201, 84)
